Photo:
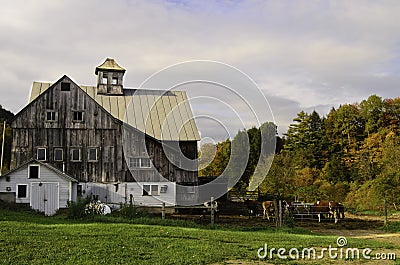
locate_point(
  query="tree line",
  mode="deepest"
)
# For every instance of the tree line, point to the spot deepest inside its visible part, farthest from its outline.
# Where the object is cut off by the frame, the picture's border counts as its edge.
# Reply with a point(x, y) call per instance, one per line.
point(4, 116)
point(350, 155)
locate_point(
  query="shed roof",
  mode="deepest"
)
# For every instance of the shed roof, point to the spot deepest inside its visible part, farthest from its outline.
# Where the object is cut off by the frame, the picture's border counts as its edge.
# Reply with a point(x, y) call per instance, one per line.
point(164, 115)
point(55, 170)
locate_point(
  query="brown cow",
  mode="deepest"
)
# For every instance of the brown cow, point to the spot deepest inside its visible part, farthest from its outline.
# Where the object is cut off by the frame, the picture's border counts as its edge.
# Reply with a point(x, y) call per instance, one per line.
point(252, 206)
point(330, 208)
point(269, 208)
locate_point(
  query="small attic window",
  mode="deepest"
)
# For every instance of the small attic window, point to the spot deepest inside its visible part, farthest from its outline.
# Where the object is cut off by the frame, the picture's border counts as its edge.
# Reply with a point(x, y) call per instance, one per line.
point(104, 80)
point(33, 172)
point(115, 80)
point(65, 86)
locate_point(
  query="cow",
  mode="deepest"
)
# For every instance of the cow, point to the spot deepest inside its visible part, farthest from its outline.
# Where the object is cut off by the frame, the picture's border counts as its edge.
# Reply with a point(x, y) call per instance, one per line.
point(330, 208)
point(208, 210)
point(341, 211)
point(252, 207)
point(268, 208)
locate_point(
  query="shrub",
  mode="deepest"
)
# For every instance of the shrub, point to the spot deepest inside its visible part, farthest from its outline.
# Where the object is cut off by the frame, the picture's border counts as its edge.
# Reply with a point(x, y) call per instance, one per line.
point(127, 210)
point(76, 210)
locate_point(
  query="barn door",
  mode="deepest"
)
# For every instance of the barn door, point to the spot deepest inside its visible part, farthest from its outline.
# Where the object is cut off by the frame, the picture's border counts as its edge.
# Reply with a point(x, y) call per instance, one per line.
point(45, 197)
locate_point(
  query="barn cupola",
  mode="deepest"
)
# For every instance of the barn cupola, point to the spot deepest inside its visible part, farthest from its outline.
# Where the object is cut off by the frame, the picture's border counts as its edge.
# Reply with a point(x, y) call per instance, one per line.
point(109, 78)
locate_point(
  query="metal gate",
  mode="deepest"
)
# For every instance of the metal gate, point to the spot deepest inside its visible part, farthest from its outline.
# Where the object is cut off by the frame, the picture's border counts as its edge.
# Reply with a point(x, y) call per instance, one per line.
point(45, 197)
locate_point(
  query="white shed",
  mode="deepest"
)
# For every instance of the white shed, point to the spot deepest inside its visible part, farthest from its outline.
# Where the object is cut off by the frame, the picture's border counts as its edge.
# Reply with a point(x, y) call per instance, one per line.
point(42, 186)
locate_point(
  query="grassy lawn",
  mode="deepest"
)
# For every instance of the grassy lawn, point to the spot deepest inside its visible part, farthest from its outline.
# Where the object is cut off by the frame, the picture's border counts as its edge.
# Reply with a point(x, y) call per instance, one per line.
point(27, 238)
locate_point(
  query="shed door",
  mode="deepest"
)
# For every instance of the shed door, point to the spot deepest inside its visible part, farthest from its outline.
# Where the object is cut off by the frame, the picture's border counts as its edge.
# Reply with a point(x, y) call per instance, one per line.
point(45, 197)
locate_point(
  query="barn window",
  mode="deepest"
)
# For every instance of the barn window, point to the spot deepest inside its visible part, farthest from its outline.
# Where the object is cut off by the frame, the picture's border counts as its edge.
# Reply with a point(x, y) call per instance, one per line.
point(76, 155)
point(77, 116)
point(163, 189)
point(134, 162)
point(145, 162)
point(65, 86)
point(33, 172)
point(150, 190)
point(104, 80)
point(146, 190)
point(154, 190)
point(41, 154)
point(92, 154)
point(79, 191)
point(190, 189)
point(58, 154)
point(22, 191)
point(115, 80)
point(51, 116)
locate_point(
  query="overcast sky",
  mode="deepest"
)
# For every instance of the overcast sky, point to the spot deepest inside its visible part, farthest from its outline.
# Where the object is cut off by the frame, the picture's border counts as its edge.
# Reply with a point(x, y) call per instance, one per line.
point(302, 54)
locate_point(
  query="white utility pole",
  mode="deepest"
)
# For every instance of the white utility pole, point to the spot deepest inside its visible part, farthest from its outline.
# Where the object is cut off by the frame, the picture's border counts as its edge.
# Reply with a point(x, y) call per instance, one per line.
point(2, 147)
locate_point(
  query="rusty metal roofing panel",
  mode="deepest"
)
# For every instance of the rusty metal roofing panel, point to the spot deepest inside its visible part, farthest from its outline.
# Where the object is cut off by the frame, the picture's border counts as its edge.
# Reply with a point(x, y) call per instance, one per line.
point(177, 116)
point(114, 109)
point(150, 114)
point(138, 111)
point(167, 120)
point(37, 89)
point(187, 121)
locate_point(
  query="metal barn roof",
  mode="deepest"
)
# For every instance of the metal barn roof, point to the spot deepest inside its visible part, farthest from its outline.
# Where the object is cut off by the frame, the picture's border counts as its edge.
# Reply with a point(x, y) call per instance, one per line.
point(164, 115)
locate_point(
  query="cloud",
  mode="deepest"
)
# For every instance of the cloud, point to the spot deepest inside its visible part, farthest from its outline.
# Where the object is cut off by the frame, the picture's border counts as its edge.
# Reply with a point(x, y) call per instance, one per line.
point(302, 54)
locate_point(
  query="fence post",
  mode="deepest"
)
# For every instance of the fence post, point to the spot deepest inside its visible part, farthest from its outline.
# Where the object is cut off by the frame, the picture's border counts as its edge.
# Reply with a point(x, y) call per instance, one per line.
point(163, 211)
point(385, 212)
point(280, 213)
point(212, 210)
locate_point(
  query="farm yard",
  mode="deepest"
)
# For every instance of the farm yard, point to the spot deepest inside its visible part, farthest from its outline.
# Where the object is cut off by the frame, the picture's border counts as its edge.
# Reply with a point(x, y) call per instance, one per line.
point(27, 237)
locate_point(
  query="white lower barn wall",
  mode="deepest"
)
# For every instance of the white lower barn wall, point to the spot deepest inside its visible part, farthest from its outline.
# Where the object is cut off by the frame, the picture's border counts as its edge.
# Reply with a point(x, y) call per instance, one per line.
point(117, 193)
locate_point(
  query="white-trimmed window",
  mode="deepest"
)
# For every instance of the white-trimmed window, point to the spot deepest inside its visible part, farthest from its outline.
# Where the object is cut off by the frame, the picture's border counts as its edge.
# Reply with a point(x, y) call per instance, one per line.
point(134, 162)
point(77, 116)
point(139, 162)
point(93, 154)
point(22, 191)
point(76, 155)
point(41, 154)
point(58, 154)
point(51, 116)
point(33, 172)
point(150, 190)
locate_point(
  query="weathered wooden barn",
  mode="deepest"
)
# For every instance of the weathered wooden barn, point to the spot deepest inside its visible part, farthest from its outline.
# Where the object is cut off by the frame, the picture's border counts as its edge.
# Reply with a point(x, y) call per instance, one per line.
point(110, 134)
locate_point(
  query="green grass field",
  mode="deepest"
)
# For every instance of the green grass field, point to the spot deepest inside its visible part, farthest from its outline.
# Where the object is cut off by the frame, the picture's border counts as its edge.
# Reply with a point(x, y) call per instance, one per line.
point(28, 238)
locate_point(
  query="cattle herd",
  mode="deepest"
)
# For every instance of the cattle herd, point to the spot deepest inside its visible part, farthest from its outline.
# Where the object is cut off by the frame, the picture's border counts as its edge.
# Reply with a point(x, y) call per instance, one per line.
point(320, 210)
